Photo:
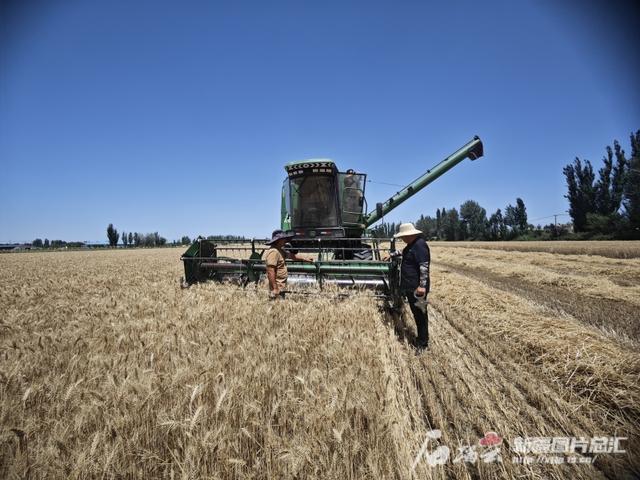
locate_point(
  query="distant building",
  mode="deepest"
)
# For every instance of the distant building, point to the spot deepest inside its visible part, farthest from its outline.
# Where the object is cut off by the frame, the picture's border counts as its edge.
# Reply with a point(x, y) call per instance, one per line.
point(11, 247)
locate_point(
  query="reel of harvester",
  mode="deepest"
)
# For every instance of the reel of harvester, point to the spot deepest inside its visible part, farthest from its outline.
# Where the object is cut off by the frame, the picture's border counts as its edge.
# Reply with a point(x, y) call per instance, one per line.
point(344, 263)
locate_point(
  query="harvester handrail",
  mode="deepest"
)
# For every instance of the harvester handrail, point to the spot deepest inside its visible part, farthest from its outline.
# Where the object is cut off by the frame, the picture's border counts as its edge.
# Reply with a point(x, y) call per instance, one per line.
point(258, 260)
point(316, 239)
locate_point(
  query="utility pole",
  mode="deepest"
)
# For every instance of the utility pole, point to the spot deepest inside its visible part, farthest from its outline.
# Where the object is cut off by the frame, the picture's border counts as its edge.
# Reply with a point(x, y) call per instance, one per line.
point(555, 222)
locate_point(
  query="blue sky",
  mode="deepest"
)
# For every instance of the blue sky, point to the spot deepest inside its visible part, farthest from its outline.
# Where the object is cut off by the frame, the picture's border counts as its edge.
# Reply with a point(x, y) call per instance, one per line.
point(178, 117)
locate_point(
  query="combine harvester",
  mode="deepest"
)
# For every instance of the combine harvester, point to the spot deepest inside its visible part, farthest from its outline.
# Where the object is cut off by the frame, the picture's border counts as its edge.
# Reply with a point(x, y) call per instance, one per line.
point(326, 211)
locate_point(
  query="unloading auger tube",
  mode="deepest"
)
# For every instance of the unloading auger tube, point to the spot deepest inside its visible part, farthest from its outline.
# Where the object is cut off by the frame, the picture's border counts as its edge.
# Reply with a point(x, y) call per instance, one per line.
point(472, 150)
point(325, 211)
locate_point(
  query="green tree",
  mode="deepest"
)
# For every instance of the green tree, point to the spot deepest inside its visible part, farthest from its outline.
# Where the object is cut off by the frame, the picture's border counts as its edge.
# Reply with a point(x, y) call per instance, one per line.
point(149, 240)
point(451, 225)
point(46, 243)
point(631, 188)
point(125, 239)
point(603, 185)
point(497, 228)
point(185, 240)
point(427, 225)
point(619, 176)
point(581, 192)
point(384, 230)
point(516, 219)
point(604, 226)
point(474, 220)
point(595, 206)
point(112, 235)
point(130, 238)
point(521, 216)
point(443, 214)
point(510, 221)
point(37, 243)
point(609, 187)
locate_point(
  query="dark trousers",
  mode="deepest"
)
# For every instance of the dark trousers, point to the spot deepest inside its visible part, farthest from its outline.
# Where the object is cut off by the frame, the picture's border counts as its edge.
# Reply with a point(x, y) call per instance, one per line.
point(422, 320)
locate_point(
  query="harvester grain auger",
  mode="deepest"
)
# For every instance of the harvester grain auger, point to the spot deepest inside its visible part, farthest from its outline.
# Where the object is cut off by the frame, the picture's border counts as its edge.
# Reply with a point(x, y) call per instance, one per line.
point(326, 211)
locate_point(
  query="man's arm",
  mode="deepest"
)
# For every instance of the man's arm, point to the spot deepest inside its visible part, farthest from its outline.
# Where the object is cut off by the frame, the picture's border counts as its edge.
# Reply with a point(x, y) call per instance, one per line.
point(293, 256)
point(272, 262)
point(423, 257)
point(392, 254)
point(271, 275)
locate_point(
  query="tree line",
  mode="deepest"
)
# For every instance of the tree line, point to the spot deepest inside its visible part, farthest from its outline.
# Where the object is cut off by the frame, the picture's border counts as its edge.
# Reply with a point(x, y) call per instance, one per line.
point(46, 243)
point(136, 239)
point(606, 205)
point(470, 222)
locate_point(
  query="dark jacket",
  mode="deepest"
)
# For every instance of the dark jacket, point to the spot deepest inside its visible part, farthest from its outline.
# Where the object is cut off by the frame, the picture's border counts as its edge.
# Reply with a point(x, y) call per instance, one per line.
point(414, 271)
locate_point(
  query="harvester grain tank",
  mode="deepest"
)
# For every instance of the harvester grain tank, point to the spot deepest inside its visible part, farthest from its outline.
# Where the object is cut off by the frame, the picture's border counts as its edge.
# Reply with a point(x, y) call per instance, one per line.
point(326, 211)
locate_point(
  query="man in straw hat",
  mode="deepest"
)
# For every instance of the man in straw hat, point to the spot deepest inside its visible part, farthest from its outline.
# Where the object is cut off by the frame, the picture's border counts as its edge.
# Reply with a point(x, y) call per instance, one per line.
point(414, 278)
point(276, 265)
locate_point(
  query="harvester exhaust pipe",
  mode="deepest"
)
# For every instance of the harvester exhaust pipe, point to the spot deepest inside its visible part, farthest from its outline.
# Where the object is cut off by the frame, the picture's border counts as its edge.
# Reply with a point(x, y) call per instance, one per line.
point(472, 150)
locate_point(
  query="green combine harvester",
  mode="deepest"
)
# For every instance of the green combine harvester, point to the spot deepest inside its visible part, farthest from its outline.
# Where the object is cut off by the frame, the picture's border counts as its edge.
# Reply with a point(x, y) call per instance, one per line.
point(326, 211)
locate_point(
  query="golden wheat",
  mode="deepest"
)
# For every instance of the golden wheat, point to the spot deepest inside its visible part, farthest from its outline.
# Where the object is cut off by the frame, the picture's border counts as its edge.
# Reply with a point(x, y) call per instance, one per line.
point(110, 370)
point(606, 248)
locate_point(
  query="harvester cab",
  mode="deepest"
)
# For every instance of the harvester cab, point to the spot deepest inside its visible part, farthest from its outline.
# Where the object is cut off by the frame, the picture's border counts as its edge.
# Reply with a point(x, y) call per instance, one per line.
point(326, 212)
point(322, 206)
point(320, 201)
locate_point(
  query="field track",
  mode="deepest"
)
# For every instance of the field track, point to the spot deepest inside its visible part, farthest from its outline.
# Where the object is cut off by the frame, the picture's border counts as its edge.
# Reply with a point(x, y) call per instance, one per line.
point(110, 370)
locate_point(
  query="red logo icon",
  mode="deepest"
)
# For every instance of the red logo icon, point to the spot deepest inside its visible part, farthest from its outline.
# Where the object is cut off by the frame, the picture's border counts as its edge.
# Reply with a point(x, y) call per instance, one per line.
point(490, 439)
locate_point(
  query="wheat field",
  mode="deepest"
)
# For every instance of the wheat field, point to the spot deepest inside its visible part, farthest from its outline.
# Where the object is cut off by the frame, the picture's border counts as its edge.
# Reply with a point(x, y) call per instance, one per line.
point(109, 370)
point(604, 248)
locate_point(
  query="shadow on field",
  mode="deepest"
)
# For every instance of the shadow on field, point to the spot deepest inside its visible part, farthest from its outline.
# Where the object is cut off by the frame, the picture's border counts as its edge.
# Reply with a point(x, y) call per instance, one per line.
point(398, 321)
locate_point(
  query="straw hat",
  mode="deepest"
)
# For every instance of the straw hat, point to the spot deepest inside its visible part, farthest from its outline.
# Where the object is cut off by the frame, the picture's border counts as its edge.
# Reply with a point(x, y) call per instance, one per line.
point(407, 229)
point(279, 235)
